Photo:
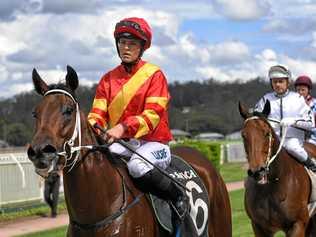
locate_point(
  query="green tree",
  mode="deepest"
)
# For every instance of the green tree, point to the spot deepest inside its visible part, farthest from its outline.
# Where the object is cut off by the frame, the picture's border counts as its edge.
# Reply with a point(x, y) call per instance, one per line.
point(18, 134)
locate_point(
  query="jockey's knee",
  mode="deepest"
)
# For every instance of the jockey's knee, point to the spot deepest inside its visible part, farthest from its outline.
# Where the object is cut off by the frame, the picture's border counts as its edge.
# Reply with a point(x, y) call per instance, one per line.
point(137, 167)
point(296, 150)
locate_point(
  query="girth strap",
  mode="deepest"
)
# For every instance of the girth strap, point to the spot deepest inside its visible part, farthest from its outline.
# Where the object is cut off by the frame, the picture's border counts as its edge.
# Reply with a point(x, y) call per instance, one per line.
point(108, 220)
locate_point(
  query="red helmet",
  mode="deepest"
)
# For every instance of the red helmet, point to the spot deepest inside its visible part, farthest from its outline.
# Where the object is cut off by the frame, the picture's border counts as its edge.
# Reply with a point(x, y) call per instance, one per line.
point(304, 80)
point(135, 26)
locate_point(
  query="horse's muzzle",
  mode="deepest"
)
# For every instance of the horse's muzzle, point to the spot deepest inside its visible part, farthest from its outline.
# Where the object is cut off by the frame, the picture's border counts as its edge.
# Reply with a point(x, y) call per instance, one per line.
point(260, 175)
point(42, 158)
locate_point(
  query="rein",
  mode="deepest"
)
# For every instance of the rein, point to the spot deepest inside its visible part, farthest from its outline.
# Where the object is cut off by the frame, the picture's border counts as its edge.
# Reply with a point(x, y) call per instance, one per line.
point(270, 159)
point(70, 149)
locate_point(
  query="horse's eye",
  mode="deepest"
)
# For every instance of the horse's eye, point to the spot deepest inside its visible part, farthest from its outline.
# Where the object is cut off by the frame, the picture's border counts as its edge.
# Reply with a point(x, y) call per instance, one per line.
point(67, 110)
point(243, 135)
point(34, 114)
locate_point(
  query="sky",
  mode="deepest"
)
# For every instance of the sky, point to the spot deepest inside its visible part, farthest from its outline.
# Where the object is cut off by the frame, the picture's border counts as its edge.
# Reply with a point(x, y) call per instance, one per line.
point(192, 40)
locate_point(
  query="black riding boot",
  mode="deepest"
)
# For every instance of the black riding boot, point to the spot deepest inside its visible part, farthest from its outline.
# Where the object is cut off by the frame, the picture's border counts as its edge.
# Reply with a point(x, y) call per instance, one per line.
point(159, 185)
point(310, 163)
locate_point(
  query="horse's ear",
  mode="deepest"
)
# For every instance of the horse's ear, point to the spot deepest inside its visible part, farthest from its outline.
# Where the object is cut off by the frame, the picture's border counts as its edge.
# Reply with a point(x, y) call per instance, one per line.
point(243, 110)
point(267, 109)
point(39, 85)
point(71, 78)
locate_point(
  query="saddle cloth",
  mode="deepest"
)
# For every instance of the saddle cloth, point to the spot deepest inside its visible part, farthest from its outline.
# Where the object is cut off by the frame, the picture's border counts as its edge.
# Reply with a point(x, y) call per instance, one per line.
point(196, 222)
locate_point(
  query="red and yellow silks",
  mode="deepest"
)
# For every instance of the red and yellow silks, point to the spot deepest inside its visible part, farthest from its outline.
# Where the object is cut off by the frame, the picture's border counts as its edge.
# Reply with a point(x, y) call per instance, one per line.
point(138, 100)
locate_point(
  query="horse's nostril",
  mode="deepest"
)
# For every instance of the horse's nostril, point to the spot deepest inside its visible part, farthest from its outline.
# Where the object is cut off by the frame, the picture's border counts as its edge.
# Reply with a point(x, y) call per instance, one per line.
point(49, 149)
point(250, 173)
point(31, 152)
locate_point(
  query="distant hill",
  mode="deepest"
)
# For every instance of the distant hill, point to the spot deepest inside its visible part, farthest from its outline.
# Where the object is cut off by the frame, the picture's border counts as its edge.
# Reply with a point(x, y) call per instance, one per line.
point(195, 107)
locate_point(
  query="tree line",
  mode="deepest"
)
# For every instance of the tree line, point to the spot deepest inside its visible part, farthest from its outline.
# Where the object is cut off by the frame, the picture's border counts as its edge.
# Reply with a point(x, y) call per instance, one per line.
point(196, 106)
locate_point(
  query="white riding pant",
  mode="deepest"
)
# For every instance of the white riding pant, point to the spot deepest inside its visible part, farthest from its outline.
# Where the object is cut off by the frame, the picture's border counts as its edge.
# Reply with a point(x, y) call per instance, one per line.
point(156, 152)
point(295, 147)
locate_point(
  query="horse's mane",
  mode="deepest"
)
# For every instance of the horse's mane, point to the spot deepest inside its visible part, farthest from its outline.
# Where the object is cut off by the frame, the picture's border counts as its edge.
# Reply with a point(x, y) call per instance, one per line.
point(62, 87)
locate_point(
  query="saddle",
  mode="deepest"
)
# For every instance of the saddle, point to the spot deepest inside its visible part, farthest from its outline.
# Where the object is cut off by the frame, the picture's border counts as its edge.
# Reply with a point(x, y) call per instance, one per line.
point(196, 222)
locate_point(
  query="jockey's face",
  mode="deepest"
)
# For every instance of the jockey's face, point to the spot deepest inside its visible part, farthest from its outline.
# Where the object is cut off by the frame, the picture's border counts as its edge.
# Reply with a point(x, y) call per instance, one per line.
point(129, 49)
point(280, 85)
point(302, 90)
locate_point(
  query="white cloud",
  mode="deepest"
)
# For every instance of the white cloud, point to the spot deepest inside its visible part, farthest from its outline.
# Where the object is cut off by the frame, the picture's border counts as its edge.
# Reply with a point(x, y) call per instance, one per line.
point(52, 76)
point(243, 9)
point(292, 8)
point(15, 89)
point(213, 72)
point(4, 74)
point(313, 44)
point(229, 52)
point(267, 55)
point(300, 66)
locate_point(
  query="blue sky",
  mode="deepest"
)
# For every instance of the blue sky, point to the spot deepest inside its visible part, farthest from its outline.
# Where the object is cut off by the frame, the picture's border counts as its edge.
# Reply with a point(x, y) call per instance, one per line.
point(192, 40)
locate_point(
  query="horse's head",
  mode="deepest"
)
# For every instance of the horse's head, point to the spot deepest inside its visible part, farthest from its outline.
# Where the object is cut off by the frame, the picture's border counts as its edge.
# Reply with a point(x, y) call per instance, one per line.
point(55, 122)
point(258, 137)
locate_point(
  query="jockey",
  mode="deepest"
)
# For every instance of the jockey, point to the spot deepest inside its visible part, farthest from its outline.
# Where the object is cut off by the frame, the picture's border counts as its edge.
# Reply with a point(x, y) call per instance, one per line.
point(291, 110)
point(131, 102)
point(303, 86)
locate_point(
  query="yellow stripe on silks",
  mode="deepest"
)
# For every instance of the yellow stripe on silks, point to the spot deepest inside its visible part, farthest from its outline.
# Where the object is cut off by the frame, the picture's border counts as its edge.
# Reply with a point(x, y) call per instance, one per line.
point(152, 116)
point(124, 96)
point(100, 104)
point(162, 101)
point(143, 127)
point(95, 116)
point(93, 121)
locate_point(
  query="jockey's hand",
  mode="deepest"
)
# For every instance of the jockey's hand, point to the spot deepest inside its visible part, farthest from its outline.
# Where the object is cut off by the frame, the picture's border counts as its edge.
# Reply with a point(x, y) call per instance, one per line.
point(115, 133)
point(286, 122)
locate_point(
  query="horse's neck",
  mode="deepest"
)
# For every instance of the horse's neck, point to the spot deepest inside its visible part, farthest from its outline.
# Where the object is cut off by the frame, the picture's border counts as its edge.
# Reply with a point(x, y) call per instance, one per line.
point(93, 177)
point(95, 162)
point(280, 167)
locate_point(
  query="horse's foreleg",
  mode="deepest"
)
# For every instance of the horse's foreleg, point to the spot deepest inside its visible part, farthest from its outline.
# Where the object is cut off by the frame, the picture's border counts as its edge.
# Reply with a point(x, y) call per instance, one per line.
point(297, 230)
point(260, 232)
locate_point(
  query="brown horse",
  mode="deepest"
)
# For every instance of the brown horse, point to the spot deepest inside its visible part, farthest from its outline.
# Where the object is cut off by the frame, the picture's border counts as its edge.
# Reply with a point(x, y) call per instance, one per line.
point(100, 195)
point(277, 189)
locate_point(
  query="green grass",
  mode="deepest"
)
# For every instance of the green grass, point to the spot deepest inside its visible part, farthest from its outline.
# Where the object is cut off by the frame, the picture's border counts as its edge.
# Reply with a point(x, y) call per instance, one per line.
point(232, 172)
point(241, 222)
point(22, 210)
point(58, 232)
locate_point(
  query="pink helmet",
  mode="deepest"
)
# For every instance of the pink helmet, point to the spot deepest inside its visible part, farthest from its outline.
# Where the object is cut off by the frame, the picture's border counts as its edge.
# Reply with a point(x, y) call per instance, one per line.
point(134, 26)
point(304, 80)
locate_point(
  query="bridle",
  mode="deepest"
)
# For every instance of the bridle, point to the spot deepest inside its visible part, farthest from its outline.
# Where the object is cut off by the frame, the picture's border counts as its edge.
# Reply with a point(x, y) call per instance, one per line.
point(270, 159)
point(68, 146)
